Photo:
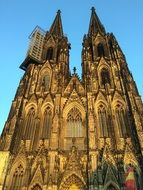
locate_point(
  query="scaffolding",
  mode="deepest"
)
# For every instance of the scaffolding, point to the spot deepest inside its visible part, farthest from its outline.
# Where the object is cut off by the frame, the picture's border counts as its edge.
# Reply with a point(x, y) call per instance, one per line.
point(36, 43)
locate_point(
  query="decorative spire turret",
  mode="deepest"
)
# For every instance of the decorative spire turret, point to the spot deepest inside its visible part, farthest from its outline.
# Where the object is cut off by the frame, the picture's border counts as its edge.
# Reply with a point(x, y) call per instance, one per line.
point(56, 28)
point(95, 24)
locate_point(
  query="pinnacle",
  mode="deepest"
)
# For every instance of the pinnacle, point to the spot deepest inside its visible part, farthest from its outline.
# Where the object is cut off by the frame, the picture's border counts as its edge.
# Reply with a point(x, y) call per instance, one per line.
point(56, 27)
point(95, 24)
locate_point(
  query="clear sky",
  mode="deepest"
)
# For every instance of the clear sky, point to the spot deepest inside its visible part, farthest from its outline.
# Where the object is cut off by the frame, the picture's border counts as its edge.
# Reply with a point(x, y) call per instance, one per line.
point(19, 17)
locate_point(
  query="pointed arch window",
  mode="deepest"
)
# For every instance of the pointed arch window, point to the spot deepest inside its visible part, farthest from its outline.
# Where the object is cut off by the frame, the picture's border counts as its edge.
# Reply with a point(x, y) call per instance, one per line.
point(74, 123)
point(46, 82)
point(30, 123)
point(120, 118)
point(36, 187)
point(17, 178)
point(49, 55)
point(105, 76)
point(47, 123)
point(100, 50)
point(103, 121)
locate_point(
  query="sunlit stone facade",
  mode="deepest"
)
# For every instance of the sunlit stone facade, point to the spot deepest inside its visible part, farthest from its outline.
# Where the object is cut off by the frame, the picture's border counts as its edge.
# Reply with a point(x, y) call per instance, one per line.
point(67, 133)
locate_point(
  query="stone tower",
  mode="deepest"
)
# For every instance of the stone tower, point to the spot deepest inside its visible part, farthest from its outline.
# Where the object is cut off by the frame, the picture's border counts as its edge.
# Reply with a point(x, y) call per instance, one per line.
point(67, 133)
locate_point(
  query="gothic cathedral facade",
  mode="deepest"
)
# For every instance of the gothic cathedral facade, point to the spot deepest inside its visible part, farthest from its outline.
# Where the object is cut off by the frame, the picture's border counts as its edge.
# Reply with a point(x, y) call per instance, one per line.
point(67, 133)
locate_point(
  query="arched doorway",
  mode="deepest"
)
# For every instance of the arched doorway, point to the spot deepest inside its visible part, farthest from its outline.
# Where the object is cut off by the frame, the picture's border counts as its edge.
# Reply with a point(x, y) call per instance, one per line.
point(73, 187)
point(73, 182)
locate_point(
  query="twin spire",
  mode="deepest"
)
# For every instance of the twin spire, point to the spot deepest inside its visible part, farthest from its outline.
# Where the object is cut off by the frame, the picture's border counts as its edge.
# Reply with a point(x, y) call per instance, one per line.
point(94, 26)
point(56, 30)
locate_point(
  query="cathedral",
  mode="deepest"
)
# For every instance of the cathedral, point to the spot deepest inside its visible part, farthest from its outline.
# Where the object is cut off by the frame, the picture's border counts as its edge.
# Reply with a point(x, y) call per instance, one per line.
point(64, 132)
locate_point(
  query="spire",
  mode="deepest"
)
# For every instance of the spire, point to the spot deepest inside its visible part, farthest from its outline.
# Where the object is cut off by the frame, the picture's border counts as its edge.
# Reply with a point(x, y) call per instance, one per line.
point(95, 24)
point(56, 27)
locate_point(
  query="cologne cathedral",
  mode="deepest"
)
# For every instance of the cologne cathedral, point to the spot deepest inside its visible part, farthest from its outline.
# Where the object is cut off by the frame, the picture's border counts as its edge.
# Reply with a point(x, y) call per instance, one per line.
point(64, 132)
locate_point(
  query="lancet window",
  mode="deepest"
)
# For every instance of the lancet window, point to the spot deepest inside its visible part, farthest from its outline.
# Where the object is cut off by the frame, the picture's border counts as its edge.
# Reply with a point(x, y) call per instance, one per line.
point(120, 118)
point(100, 50)
point(17, 178)
point(103, 121)
point(49, 55)
point(74, 123)
point(30, 123)
point(47, 122)
point(105, 76)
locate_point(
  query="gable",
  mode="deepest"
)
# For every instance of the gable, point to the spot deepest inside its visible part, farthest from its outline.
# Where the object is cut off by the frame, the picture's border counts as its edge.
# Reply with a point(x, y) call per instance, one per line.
point(74, 83)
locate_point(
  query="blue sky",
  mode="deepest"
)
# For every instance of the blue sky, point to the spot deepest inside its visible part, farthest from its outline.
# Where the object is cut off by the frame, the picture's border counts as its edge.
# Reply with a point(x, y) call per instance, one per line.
point(18, 18)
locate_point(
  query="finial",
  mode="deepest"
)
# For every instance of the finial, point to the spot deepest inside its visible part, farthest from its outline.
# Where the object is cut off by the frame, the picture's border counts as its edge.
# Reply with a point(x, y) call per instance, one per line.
point(59, 12)
point(93, 9)
point(74, 70)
